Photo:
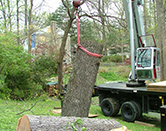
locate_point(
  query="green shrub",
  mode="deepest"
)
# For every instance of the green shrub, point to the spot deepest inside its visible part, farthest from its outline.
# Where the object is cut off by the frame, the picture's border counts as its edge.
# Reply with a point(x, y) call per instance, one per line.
point(20, 83)
point(4, 92)
point(43, 67)
point(105, 59)
point(19, 75)
point(112, 58)
point(116, 58)
point(23, 82)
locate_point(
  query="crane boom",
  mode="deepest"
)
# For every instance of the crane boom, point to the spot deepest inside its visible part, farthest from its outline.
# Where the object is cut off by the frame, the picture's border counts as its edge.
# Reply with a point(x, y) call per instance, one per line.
point(135, 24)
point(140, 46)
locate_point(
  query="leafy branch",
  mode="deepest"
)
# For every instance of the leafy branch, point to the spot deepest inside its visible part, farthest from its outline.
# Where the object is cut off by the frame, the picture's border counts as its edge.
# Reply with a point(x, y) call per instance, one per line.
point(73, 125)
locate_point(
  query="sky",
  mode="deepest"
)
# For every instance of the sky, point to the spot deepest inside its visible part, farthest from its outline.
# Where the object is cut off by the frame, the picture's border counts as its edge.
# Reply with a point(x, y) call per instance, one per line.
point(48, 5)
point(53, 5)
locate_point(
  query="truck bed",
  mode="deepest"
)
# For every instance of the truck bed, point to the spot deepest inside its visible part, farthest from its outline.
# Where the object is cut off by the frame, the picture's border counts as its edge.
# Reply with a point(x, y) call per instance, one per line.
point(150, 101)
point(121, 87)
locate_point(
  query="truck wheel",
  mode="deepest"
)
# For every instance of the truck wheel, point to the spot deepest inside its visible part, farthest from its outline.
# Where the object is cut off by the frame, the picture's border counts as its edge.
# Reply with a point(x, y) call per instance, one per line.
point(128, 111)
point(116, 106)
point(138, 109)
point(101, 98)
point(107, 107)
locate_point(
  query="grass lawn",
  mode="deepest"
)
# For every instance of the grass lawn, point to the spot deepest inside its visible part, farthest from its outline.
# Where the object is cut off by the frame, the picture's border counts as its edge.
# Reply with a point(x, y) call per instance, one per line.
point(10, 113)
point(11, 110)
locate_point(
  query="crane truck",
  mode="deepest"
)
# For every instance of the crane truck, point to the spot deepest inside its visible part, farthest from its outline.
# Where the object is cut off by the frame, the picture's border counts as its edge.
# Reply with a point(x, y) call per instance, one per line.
point(133, 98)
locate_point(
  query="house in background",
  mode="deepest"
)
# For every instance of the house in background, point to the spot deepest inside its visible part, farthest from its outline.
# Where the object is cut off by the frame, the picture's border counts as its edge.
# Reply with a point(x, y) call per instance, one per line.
point(47, 41)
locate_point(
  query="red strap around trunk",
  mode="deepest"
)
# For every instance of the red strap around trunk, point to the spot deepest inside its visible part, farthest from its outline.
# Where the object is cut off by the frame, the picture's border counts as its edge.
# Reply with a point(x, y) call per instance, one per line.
point(78, 38)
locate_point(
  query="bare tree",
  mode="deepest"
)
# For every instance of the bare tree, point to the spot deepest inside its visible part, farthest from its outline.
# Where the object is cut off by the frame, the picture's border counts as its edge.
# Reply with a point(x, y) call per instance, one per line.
point(4, 14)
point(30, 24)
point(160, 4)
point(26, 22)
point(63, 44)
point(103, 24)
point(18, 22)
point(145, 15)
point(9, 15)
point(106, 13)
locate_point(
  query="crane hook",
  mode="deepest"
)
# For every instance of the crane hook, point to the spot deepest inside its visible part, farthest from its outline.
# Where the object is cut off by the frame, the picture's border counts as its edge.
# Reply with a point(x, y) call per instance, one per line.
point(76, 3)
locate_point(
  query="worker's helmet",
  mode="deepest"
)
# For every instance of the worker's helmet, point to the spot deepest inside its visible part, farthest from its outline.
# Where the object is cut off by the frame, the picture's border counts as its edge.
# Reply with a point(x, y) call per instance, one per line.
point(76, 3)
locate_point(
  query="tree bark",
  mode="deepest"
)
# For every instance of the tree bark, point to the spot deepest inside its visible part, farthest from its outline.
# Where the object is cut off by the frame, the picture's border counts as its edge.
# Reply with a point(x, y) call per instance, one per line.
point(9, 13)
point(30, 25)
point(103, 27)
point(51, 123)
point(161, 36)
point(145, 16)
point(82, 80)
point(18, 24)
point(62, 48)
point(62, 52)
point(154, 16)
point(53, 32)
point(26, 22)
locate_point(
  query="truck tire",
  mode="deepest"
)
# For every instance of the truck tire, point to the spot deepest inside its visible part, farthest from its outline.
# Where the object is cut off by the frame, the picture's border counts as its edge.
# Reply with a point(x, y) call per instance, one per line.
point(107, 107)
point(110, 106)
point(101, 98)
point(138, 109)
point(116, 106)
point(128, 111)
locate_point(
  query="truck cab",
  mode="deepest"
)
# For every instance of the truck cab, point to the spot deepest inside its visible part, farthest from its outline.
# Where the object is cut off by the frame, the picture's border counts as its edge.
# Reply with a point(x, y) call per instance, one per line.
point(148, 59)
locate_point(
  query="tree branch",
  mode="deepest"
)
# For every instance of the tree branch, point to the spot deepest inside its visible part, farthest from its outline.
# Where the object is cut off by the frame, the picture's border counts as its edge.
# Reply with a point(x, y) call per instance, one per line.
point(64, 4)
point(67, 7)
point(83, 2)
point(30, 109)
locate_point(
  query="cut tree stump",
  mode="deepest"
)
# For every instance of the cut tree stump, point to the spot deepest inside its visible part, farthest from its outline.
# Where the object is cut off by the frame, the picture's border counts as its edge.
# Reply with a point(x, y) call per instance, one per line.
point(77, 99)
point(51, 123)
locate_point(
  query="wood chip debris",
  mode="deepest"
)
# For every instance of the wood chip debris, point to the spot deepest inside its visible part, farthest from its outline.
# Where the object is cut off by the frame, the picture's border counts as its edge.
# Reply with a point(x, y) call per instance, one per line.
point(58, 111)
point(123, 128)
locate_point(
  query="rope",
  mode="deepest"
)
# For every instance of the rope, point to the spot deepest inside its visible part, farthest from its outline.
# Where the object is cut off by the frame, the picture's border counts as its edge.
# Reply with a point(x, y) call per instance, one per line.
point(78, 39)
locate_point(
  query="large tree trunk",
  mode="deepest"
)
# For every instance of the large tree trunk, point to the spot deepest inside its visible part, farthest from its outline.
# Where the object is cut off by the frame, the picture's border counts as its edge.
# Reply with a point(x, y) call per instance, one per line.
point(51, 123)
point(161, 36)
point(82, 80)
